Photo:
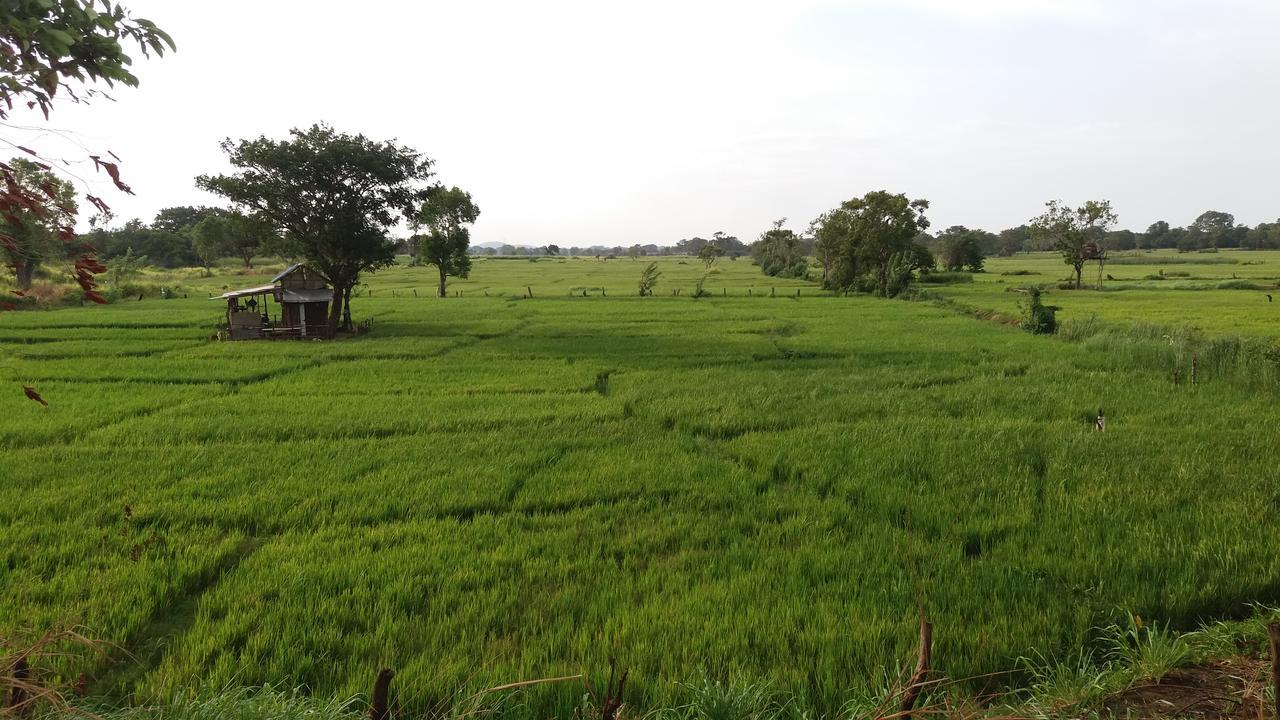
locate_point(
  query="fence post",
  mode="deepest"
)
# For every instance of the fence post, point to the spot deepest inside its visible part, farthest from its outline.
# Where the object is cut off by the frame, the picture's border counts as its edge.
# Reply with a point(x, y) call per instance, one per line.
point(916, 683)
point(378, 706)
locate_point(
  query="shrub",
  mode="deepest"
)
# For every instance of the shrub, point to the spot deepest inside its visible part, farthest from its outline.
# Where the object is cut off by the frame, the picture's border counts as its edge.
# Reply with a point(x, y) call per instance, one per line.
point(946, 278)
point(1038, 318)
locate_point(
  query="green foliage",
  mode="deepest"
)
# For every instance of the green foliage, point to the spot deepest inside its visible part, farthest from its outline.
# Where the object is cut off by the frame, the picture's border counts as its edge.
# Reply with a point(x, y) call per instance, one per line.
point(293, 516)
point(1055, 686)
point(48, 45)
point(778, 253)
point(945, 278)
point(209, 239)
point(1075, 232)
point(1038, 318)
point(961, 248)
point(709, 254)
point(446, 213)
point(31, 237)
point(649, 279)
point(873, 236)
point(125, 268)
point(266, 703)
point(332, 197)
point(711, 699)
point(1148, 651)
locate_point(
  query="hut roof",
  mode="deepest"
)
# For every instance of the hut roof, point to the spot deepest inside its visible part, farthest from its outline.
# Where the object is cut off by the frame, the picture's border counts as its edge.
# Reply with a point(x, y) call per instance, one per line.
point(261, 289)
point(286, 272)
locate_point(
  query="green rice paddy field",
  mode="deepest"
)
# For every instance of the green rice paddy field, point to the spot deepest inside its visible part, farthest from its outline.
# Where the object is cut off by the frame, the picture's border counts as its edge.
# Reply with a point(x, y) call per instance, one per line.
point(490, 489)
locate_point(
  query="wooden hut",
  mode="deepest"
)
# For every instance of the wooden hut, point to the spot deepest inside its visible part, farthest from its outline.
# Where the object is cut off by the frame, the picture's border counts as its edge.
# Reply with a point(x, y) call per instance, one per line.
point(301, 300)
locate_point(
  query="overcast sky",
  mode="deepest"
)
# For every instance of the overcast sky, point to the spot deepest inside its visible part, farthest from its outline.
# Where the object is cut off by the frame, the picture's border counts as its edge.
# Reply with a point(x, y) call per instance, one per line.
point(612, 123)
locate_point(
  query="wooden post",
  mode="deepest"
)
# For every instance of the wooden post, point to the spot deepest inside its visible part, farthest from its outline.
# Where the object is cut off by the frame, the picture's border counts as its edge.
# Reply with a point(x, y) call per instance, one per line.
point(379, 709)
point(1273, 632)
point(612, 702)
point(916, 683)
point(530, 291)
point(415, 292)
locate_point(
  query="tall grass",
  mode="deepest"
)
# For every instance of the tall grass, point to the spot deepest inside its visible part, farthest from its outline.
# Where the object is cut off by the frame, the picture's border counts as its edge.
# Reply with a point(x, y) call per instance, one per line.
point(765, 489)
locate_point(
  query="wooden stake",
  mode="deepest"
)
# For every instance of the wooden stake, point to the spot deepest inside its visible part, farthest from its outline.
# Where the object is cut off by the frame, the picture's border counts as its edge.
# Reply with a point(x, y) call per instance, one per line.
point(916, 683)
point(378, 706)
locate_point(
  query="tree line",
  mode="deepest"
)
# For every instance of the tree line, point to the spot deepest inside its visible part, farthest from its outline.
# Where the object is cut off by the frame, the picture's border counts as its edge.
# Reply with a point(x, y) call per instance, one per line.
point(880, 242)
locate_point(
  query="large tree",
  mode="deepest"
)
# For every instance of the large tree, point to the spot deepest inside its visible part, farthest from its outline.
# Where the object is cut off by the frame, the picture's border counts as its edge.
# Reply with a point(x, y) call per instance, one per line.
point(959, 247)
point(1076, 233)
point(874, 236)
point(1213, 229)
point(445, 214)
point(31, 236)
point(332, 197)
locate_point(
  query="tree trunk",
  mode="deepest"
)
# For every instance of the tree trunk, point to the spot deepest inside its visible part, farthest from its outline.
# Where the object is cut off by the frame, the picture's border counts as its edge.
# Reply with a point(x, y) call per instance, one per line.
point(1079, 269)
point(248, 260)
point(26, 271)
point(335, 308)
point(441, 291)
point(346, 309)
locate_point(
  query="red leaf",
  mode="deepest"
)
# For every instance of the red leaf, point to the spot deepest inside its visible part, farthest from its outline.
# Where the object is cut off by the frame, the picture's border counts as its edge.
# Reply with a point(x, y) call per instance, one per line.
point(113, 170)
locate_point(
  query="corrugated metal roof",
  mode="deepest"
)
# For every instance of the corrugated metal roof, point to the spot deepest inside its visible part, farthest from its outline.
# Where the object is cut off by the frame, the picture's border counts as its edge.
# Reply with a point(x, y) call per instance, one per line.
point(247, 291)
point(286, 271)
point(305, 296)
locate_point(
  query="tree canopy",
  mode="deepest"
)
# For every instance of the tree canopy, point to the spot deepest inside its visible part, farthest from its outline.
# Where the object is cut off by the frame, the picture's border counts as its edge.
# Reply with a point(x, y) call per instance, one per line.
point(331, 196)
point(29, 237)
point(873, 237)
point(446, 213)
point(960, 248)
point(1076, 233)
point(778, 252)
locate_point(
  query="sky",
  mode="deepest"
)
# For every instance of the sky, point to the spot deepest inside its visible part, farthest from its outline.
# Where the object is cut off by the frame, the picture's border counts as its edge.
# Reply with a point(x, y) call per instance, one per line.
point(611, 123)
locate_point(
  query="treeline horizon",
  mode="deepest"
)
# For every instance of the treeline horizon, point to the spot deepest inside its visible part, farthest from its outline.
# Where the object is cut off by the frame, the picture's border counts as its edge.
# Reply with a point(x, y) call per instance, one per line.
point(169, 240)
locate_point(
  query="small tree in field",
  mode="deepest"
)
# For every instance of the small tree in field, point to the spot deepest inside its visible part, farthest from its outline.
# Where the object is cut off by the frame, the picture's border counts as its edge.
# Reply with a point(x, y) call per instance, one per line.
point(709, 254)
point(446, 213)
point(209, 240)
point(1038, 318)
point(1075, 232)
point(649, 279)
